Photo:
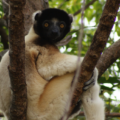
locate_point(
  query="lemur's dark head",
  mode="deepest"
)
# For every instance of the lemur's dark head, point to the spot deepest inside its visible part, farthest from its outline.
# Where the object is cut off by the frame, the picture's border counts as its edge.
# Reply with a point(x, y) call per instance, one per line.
point(52, 24)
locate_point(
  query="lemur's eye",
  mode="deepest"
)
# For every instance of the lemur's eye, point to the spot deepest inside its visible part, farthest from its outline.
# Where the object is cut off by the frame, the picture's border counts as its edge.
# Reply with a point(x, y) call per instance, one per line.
point(62, 25)
point(46, 25)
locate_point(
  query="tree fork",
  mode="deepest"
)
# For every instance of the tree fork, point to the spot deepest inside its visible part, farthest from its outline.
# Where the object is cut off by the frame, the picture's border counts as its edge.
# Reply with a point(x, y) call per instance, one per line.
point(17, 60)
point(98, 43)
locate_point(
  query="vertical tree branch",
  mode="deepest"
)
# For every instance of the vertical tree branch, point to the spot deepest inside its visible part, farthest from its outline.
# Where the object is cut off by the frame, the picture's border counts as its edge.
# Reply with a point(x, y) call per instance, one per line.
point(80, 37)
point(17, 60)
point(98, 43)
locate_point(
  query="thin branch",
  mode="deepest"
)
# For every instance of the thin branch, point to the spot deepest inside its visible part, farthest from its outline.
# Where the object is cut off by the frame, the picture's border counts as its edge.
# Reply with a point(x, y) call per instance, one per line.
point(98, 43)
point(80, 37)
point(5, 2)
point(109, 57)
point(90, 3)
point(65, 41)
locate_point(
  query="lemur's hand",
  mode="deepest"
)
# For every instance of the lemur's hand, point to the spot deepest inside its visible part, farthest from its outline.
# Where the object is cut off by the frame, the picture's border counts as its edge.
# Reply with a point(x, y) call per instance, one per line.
point(89, 83)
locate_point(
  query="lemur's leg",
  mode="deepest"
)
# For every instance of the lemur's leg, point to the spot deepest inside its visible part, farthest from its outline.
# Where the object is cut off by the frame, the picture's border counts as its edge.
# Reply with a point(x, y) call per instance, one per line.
point(92, 104)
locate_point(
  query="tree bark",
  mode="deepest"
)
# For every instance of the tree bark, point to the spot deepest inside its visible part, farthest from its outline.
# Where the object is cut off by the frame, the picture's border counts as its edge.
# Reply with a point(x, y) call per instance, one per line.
point(17, 60)
point(98, 43)
point(110, 55)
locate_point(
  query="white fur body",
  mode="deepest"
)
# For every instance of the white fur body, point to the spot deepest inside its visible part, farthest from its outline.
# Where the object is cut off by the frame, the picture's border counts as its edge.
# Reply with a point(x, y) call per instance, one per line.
point(49, 74)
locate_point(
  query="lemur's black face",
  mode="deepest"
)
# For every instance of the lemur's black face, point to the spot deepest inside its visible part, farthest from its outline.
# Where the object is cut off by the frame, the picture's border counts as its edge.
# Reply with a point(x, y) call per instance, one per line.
point(53, 29)
point(52, 24)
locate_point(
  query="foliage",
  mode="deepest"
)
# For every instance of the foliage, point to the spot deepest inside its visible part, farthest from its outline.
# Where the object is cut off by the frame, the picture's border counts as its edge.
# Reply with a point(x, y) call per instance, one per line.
point(1, 13)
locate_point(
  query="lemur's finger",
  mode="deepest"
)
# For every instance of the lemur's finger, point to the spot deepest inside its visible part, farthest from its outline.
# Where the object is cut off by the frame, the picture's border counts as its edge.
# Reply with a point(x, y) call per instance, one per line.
point(88, 86)
point(89, 81)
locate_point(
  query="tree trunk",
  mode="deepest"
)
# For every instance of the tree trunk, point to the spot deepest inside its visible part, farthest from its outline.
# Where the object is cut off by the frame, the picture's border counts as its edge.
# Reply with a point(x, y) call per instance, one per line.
point(17, 60)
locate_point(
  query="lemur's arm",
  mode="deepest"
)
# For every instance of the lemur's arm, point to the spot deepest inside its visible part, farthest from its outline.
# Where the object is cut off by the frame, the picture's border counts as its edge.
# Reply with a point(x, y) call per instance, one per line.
point(57, 65)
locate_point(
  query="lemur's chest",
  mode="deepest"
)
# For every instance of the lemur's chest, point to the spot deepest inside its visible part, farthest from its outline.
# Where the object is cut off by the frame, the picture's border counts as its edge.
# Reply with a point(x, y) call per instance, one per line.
point(47, 55)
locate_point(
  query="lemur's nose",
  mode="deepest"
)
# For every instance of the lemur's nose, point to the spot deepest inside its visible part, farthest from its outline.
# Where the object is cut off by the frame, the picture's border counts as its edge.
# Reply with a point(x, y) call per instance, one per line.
point(55, 32)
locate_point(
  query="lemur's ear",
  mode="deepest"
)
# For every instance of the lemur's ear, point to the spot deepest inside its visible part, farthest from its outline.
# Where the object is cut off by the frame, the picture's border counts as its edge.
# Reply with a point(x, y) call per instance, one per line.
point(36, 15)
point(71, 17)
